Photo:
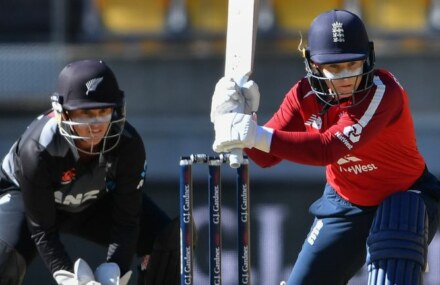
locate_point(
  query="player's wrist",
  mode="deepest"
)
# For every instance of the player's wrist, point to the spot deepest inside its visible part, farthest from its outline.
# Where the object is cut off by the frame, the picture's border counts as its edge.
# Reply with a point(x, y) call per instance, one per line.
point(263, 138)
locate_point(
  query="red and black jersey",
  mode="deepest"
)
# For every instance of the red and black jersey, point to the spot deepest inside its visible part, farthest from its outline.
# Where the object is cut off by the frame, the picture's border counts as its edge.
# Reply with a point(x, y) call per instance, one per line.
point(52, 178)
point(369, 149)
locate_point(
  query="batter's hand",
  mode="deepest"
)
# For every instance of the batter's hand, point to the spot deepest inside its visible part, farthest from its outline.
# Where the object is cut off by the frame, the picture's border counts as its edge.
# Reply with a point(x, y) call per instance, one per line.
point(251, 95)
point(236, 130)
point(229, 97)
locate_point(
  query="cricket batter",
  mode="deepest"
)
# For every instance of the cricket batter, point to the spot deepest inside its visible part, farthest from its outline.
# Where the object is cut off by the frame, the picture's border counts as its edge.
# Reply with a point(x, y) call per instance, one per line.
point(79, 168)
point(380, 204)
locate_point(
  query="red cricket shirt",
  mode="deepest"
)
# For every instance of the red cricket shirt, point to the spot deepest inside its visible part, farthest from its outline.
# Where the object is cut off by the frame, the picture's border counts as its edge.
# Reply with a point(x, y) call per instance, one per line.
point(369, 150)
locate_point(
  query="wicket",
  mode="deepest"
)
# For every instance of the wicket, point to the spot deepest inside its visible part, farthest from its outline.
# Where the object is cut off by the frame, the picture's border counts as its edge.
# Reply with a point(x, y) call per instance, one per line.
point(214, 203)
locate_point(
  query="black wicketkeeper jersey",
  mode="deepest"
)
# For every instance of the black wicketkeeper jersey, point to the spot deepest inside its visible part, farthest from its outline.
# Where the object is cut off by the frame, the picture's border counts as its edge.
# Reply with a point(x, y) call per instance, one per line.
point(52, 178)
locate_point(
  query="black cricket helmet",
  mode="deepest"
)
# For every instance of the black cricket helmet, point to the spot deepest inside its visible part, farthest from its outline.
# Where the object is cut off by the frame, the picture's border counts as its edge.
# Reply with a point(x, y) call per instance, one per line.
point(89, 84)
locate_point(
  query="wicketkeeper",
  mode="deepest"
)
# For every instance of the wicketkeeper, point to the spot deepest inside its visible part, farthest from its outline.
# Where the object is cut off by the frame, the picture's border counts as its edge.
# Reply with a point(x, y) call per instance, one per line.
point(79, 168)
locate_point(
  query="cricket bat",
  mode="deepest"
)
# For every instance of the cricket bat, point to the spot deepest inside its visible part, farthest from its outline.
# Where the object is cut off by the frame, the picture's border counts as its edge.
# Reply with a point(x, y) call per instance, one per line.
point(240, 46)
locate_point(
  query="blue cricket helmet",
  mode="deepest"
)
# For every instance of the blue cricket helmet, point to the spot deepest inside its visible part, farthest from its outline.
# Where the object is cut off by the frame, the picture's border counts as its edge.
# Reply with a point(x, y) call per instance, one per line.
point(338, 36)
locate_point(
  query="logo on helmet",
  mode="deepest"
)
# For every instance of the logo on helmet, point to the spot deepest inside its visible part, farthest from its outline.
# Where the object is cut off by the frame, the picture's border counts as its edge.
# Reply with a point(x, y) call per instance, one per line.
point(338, 32)
point(93, 84)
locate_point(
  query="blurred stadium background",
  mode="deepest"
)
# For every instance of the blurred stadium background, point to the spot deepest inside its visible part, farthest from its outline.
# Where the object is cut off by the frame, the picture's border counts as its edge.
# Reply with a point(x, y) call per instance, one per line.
point(168, 55)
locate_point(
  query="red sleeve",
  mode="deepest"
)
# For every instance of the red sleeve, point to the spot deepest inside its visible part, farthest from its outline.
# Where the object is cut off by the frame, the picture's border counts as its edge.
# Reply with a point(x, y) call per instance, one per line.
point(288, 117)
point(352, 128)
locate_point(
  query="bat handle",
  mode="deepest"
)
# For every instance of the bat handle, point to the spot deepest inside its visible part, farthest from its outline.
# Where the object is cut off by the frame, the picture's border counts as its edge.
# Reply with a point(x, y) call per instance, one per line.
point(236, 155)
point(236, 158)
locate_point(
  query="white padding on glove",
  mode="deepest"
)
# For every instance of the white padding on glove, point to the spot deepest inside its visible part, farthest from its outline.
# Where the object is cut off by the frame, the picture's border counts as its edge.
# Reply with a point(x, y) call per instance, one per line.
point(251, 93)
point(108, 273)
point(229, 97)
point(83, 275)
point(236, 130)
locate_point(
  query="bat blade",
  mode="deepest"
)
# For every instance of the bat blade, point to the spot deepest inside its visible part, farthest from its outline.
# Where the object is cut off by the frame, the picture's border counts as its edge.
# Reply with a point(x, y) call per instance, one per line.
point(240, 47)
point(240, 38)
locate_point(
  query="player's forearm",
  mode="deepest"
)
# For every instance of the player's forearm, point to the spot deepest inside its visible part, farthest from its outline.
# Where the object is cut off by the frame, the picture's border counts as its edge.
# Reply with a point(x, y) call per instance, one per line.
point(306, 148)
point(52, 250)
point(122, 247)
point(262, 158)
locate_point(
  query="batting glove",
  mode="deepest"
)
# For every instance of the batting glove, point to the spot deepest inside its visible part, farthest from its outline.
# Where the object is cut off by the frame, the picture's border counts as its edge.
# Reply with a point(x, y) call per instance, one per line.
point(229, 97)
point(236, 130)
point(82, 275)
point(108, 273)
point(251, 93)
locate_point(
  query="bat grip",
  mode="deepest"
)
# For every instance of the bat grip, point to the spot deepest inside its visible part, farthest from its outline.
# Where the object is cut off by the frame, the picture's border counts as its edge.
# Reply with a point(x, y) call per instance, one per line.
point(236, 158)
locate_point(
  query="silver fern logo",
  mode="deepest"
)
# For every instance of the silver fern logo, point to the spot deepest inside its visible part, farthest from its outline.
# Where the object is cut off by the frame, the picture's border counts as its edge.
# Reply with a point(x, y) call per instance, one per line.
point(92, 84)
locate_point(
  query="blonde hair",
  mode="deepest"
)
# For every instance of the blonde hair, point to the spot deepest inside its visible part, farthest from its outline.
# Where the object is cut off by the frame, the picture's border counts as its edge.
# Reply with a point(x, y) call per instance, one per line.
point(301, 48)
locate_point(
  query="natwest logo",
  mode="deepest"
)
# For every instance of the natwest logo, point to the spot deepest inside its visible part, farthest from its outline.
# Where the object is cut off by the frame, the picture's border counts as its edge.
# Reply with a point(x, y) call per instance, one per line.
point(354, 165)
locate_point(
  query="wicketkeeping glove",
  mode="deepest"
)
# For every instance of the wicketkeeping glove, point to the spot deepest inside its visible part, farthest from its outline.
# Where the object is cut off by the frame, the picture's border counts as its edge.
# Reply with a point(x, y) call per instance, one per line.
point(229, 97)
point(82, 275)
point(236, 130)
point(108, 273)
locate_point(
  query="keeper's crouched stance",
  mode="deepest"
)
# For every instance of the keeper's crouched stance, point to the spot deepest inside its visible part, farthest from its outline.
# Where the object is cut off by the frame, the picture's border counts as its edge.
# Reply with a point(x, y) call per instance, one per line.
point(157, 249)
point(79, 168)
